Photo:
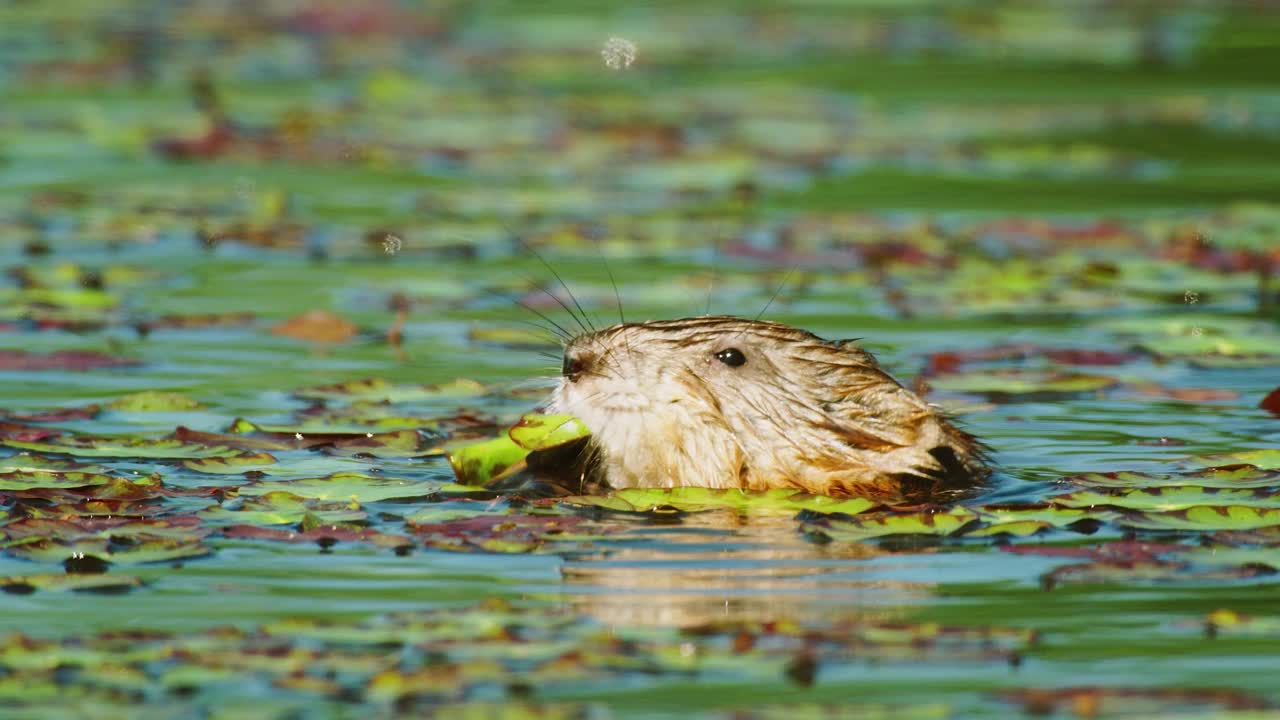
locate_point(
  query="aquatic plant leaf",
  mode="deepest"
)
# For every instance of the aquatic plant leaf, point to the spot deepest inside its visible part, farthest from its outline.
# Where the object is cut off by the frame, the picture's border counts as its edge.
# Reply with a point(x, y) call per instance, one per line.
point(513, 338)
point(232, 465)
point(508, 533)
point(873, 525)
point(317, 326)
point(154, 401)
point(379, 390)
point(76, 360)
point(1225, 621)
point(348, 486)
point(1016, 528)
point(282, 508)
point(541, 432)
point(1116, 551)
point(53, 415)
point(1271, 402)
point(692, 499)
point(149, 550)
point(1145, 572)
point(394, 444)
point(1268, 459)
point(1221, 476)
point(27, 479)
point(27, 462)
point(123, 447)
point(1170, 497)
point(62, 582)
point(115, 529)
point(1048, 513)
point(481, 463)
point(321, 535)
point(1010, 385)
point(1205, 517)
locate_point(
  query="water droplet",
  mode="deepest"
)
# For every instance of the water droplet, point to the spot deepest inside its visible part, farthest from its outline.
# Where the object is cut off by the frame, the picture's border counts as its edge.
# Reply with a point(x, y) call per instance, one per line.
point(618, 53)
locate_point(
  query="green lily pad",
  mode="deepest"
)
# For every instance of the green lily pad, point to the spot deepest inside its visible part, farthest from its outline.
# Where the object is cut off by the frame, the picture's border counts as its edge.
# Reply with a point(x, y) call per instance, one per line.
point(694, 499)
point(1012, 384)
point(62, 582)
point(377, 389)
point(1267, 459)
point(348, 486)
point(282, 508)
point(480, 463)
point(29, 479)
point(155, 401)
point(25, 461)
point(232, 465)
point(873, 525)
point(1171, 497)
point(1221, 476)
point(1015, 528)
point(1206, 518)
point(146, 551)
point(540, 432)
point(1044, 512)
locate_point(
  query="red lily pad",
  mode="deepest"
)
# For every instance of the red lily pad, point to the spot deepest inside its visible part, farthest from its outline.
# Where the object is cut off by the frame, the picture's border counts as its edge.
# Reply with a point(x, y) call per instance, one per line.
point(123, 447)
point(77, 360)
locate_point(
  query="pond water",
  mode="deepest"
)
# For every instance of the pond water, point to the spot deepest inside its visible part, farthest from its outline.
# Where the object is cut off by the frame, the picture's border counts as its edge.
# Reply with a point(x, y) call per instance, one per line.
point(267, 267)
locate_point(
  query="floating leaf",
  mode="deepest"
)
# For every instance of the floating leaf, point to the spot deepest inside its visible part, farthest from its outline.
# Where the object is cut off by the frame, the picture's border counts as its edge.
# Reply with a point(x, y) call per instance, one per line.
point(1205, 518)
point(80, 360)
point(282, 508)
point(379, 390)
point(28, 479)
point(62, 582)
point(873, 525)
point(124, 447)
point(156, 549)
point(232, 465)
point(1013, 385)
point(540, 432)
point(321, 326)
point(1172, 497)
point(1223, 476)
point(480, 463)
point(351, 486)
point(154, 401)
point(1267, 458)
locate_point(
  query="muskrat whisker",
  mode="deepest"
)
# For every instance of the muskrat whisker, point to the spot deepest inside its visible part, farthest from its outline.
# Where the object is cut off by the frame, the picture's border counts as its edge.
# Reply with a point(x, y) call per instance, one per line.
point(786, 278)
point(559, 332)
point(582, 319)
point(617, 297)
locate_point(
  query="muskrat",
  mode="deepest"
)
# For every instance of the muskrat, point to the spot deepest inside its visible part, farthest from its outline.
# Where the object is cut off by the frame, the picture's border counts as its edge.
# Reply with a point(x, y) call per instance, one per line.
point(723, 402)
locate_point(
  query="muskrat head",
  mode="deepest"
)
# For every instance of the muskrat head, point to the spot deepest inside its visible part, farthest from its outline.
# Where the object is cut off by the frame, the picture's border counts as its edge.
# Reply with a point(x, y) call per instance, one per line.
point(724, 402)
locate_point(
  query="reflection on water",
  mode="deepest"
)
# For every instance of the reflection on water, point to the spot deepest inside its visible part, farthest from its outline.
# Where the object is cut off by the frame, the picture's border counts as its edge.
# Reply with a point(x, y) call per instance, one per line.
point(720, 566)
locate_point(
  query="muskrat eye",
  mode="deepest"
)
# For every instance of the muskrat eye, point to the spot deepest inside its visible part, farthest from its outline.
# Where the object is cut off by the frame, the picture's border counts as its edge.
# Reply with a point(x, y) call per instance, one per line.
point(732, 357)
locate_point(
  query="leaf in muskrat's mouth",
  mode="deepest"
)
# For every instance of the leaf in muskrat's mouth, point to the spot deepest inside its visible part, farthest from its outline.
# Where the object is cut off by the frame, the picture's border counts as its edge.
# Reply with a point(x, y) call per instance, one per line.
point(540, 454)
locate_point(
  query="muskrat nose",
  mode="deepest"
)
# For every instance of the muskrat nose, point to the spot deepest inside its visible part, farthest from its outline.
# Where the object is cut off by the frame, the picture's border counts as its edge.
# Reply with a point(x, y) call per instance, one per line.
point(573, 366)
